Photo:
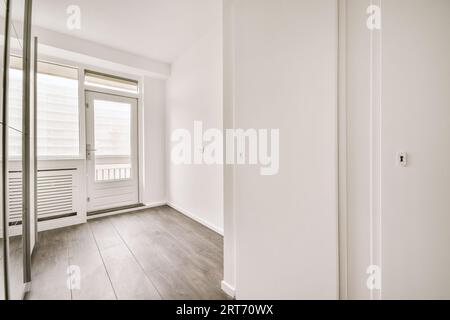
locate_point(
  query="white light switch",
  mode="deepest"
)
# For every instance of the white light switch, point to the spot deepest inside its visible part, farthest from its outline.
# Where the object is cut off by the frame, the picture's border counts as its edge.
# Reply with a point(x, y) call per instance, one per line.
point(402, 159)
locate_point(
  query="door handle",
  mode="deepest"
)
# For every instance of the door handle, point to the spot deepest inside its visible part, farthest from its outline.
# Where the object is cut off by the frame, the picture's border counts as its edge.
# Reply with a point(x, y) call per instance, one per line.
point(89, 151)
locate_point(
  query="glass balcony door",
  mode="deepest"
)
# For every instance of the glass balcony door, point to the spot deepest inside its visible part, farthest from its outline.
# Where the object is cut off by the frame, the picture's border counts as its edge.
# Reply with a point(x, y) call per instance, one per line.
point(112, 152)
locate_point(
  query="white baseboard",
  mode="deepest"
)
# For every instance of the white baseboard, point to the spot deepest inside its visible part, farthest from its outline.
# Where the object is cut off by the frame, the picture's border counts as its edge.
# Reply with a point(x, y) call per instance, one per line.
point(195, 218)
point(61, 223)
point(155, 204)
point(145, 207)
point(50, 225)
point(229, 290)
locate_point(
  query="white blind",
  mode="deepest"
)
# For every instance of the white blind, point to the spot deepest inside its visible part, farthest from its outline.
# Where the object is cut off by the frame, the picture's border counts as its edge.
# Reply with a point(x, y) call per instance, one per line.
point(15, 113)
point(105, 81)
point(58, 112)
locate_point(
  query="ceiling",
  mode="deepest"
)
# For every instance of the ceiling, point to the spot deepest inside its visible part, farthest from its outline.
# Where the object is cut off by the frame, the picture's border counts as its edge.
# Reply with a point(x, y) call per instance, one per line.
point(157, 29)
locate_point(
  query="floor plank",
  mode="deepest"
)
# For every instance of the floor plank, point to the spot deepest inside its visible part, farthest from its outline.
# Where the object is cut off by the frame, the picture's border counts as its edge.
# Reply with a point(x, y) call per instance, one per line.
point(50, 277)
point(84, 254)
point(2, 276)
point(170, 282)
point(198, 258)
point(143, 240)
point(127, 277)
point(105, 234)
point(49, 267)
point(95, 282)
point(16, 267)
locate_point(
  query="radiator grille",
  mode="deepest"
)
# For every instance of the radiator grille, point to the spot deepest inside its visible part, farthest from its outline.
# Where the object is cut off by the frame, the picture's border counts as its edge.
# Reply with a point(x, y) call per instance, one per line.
point(55, 195)
point(15, 198)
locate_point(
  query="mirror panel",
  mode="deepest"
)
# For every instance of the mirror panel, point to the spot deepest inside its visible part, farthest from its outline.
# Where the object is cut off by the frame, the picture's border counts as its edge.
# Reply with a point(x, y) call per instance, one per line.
point(15, 229)
point(2, 238)
point(15, 152)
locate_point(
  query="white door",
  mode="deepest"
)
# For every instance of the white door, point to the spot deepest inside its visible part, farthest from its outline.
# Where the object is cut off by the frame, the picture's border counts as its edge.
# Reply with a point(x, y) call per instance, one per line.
point(398, 216)
point(111, 152)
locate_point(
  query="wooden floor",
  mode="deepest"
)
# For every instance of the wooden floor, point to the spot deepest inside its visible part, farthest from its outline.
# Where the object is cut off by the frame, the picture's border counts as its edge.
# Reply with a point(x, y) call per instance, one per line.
point(16, 286)
point(153, 254)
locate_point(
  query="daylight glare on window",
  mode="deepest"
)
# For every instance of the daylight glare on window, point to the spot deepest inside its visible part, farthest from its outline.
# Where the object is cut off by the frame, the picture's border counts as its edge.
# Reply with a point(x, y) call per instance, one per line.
point(58, 113)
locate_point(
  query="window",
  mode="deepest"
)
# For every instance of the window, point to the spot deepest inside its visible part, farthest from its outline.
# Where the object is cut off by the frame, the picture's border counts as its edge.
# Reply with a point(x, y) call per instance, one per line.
point(113, 127)
point(15, 113)
point(104, 81)
point(58, 111)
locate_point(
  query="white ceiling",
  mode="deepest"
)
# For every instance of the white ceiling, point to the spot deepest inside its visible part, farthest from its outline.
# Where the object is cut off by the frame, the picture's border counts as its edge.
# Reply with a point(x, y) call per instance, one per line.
point(157, 29)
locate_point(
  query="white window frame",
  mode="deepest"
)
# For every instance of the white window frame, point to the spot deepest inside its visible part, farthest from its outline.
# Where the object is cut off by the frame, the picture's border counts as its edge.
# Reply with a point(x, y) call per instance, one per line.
point(81, 125)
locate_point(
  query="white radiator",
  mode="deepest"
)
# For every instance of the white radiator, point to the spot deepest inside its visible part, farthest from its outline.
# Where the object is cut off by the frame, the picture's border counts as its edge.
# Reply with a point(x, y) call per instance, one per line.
point(55, 195)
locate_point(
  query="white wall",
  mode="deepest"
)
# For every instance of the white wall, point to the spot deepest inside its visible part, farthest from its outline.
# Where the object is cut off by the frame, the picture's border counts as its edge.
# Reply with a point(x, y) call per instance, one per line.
point(75, 48)
point(285, 77)
point(194, 93)
point(411, 229)
point(84, 51)
point(154, 141)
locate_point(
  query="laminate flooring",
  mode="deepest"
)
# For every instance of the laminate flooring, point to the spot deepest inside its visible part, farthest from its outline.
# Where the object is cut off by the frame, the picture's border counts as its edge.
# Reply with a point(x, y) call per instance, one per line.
point(148, 255)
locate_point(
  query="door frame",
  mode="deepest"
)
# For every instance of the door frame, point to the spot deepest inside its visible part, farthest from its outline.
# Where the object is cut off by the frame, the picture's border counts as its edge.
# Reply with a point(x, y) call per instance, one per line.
point(343, 154)
point(342, 150)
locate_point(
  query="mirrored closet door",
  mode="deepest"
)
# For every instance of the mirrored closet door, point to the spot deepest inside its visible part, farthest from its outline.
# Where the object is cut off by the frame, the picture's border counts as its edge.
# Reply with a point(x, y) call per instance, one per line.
point(3, 227)
point(17, 181)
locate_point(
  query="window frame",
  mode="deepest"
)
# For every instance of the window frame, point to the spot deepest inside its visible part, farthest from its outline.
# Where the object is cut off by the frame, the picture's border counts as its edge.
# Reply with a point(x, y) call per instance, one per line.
point(81, 152)
point(81, 119)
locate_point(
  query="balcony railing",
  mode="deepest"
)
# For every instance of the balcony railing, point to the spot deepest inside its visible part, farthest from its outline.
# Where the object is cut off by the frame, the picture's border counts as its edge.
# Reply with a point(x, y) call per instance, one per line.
point(112, 172)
